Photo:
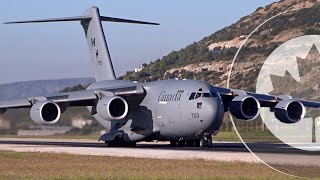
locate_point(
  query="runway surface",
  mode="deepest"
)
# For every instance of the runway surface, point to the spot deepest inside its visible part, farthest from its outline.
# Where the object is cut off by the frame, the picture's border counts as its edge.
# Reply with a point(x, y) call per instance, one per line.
point(271, 153)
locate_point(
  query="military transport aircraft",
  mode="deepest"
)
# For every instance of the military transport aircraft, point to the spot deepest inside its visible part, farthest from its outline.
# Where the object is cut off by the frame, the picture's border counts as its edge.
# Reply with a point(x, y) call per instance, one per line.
point(184, 112)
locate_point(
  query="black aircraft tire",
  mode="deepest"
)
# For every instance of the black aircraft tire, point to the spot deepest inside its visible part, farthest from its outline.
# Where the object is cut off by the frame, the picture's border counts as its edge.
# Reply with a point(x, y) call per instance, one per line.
point(182, 143)
point(196, 143)
point(209, 143)
point(173, 143)
point(202, 143)
point(109, 144)
point(120, 144)
point(190, 143)
point(132, 144)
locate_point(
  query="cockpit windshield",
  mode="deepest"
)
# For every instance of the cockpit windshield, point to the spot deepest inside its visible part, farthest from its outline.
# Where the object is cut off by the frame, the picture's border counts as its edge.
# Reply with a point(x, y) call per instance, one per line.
point(192, 96)
point(195, 95)
point(212, 93)
point(208, 95)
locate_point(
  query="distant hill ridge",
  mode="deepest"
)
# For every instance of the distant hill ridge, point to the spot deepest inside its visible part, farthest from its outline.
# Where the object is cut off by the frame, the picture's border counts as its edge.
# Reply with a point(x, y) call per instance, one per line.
point(209, 58)
point(39, 87)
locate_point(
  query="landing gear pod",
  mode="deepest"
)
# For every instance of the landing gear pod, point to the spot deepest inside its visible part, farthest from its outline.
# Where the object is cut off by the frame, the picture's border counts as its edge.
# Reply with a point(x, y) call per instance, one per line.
point(290, 111)
point(112, 108)
point(45, 112)
point(245, 107)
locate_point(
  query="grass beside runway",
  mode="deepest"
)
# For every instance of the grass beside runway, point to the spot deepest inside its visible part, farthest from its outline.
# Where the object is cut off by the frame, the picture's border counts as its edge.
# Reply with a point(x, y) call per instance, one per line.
point(254, 136)
point(15, 165)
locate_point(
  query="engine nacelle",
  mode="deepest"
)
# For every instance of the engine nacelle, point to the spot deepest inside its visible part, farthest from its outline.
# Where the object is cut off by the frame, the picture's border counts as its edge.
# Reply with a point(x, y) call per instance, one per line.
point(45, 112)
point(290, 111)
point(245, 107)
point(112, 108)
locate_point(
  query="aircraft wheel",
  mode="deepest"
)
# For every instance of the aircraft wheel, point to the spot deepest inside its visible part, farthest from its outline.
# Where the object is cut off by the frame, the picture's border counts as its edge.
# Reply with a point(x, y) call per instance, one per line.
point(173, 143)
point(196, 143)
point(132, 144)
point(119, 142)
point(209, 143)
point(109, 144)
point(182, 143)
point(190, 143)
point(202, 143)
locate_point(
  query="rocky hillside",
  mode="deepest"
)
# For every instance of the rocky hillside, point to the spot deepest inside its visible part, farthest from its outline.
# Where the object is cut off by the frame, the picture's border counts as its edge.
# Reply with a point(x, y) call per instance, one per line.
point(210, 58)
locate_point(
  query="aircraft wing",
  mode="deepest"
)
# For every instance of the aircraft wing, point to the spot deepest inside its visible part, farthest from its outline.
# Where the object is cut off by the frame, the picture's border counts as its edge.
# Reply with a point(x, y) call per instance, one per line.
point(265, 100)
point(133, 94)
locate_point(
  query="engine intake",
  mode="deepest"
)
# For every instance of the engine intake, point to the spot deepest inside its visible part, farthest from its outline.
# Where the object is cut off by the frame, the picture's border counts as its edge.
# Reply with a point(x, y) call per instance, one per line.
point(290, 111)
point(112, 108)
point(45, 112)
point(245, 107)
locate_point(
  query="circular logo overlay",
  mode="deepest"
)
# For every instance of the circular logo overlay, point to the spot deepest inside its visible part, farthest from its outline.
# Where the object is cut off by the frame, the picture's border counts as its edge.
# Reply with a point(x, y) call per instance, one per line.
point(285, 63)
point(293, 71)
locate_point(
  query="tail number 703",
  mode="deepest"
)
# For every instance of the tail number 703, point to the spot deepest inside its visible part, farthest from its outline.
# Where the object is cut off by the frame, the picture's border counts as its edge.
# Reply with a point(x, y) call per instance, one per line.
point(195, 115)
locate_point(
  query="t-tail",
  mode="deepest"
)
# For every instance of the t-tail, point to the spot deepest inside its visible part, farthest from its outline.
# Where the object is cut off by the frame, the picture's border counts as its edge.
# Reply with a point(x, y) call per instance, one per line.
point(98, 48)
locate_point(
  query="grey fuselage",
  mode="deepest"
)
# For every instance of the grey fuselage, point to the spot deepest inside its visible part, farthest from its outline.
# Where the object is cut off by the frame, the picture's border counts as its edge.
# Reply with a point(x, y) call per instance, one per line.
point(170, 110)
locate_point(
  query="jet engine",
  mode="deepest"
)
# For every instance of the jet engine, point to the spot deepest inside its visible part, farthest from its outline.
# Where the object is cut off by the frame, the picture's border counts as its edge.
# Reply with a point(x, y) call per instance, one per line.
point(245, 107)
point(112, 108)
point(45, 112)
point(290, 111)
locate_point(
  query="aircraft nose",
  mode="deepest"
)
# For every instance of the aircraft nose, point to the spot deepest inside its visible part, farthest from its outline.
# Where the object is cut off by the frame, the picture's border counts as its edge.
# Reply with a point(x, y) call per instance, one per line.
point(210, 108)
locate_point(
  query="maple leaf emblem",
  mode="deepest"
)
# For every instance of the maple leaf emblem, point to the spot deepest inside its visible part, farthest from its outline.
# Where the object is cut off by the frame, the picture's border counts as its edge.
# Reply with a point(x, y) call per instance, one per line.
point(308, 88)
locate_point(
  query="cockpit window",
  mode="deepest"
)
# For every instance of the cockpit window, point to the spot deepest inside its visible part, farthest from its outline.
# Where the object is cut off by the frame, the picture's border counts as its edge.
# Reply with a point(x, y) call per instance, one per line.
point(192, 96)
point(197, 95)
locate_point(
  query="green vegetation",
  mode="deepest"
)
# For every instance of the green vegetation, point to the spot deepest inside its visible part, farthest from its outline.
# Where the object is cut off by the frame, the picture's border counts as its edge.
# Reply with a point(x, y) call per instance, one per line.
point(61, 166)
point(78, 87)
point(309, 31)
point(20, 118)
point(305, 19)
point(253, 136)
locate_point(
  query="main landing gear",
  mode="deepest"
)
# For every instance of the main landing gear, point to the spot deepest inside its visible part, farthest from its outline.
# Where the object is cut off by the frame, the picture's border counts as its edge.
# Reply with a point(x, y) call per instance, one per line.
point(184, 143)
point(205, 141)
point(119, 142)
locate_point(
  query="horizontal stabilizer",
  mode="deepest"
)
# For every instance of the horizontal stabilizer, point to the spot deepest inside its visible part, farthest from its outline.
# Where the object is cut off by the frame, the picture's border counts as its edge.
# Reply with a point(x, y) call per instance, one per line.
point(81, 18)
point(111, 19)
point(78, 18)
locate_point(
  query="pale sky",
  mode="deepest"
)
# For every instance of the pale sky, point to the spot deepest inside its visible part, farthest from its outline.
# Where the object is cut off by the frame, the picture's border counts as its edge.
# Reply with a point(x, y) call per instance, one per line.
point(59, 50)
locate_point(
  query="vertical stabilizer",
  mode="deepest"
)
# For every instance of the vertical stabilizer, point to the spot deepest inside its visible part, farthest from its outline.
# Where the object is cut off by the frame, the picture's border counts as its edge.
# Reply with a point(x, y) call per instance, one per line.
point(99, 52)
point(98, 48)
